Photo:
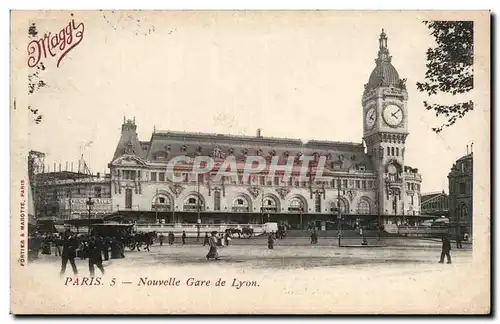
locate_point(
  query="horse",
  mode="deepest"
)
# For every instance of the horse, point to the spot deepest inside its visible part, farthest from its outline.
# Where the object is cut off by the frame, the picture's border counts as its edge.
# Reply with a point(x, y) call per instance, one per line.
point(146, 238)
point(247, 231)
point(232, 231)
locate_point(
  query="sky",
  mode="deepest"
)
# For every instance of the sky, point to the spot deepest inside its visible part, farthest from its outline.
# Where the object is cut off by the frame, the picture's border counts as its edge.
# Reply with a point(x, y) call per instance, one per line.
point(292, 74)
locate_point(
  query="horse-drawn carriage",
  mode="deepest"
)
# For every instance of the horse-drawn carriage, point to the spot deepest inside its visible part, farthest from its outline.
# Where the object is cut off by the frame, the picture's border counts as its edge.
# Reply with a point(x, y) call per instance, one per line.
point(246, 232)
point(126, 234)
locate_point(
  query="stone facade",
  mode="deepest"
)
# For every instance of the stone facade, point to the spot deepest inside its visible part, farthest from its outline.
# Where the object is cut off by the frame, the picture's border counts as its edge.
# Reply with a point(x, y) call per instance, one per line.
point(362, 180)
point(460, 199)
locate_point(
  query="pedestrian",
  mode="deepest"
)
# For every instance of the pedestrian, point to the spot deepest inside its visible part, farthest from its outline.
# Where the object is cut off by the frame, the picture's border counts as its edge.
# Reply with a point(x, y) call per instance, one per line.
point(459, 240)
point(105, 247)
point(161, 239)
point(446, 248)
point(95, 254)
point(171, 238)
point(314, 237)
point(212, 252)
point(184, 237)
point(270, 241)
point(206, 240)
point(70, 245)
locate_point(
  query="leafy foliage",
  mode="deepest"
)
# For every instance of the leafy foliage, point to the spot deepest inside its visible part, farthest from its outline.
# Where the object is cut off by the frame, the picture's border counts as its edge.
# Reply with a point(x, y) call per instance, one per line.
point(449, 68)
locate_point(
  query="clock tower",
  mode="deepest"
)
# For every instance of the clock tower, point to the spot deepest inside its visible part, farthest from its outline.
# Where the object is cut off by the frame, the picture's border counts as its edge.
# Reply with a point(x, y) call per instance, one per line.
point(385, 128)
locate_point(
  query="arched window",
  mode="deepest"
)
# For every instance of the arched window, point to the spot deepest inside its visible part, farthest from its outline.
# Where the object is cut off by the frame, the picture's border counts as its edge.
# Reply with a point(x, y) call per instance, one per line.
point(295, 205)
point(339, 204)
point(388, 151)
point(161, 202)
point(364, 207)
point(392, 151)
point(240, 204)
point(192, 203)
point(397, 151)
point(270, 205)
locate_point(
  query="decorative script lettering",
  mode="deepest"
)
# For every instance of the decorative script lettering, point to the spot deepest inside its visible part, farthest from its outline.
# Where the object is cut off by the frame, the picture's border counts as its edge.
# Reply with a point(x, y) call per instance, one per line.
point(56, 45)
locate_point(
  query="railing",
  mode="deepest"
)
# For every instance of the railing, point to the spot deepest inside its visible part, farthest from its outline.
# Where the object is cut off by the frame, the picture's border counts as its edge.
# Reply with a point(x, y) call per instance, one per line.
point(192, 229)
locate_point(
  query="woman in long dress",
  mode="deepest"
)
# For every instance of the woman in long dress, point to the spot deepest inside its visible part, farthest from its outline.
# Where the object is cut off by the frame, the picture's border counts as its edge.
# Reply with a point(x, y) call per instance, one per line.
point(212, 253)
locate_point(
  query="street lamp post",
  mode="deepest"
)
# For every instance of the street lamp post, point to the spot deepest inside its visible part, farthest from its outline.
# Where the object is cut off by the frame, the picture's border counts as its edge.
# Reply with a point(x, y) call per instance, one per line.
point(339, 216)
point(198, 221)
point(89, 203)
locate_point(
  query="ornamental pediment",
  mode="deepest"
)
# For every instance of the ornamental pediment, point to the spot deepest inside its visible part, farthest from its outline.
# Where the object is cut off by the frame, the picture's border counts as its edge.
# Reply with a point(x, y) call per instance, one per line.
point(128, 160)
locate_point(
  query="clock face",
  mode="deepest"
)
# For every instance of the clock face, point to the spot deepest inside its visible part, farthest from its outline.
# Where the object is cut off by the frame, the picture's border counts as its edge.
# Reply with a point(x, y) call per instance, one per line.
point(393, 115)
point(370, 118)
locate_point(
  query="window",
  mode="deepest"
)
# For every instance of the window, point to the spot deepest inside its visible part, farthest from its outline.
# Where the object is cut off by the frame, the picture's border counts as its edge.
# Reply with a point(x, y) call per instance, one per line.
point(153, 176)
point(191, 201)
point(357, 184)
point(338, 183)
point(262, 180)
point(411, 199)
point(362, 168)
point(161, 176)
point(128, 198)
point(339, 204)
point(462, 188)
point(318, 203)
point(79, 191)
point(129, 174)
point(269, 181)
point(217, 200)
point(388, 151)
point(270, 205)
point(363, 184)
point(397, 151)
point(240, 205)
point(363, 207)
point(68, 193)
point(392, 151)
point(240, 178)
point(304, 183)
point(97, 192)
point(54, 194)
point(344, 184)
point(296, 205)
point(276, 181)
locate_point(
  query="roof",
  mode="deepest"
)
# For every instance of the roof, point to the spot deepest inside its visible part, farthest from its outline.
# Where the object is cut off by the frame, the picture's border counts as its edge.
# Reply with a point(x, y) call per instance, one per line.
point(466, 157)
point(167, 144)
point(384, 73)
point(428, 196)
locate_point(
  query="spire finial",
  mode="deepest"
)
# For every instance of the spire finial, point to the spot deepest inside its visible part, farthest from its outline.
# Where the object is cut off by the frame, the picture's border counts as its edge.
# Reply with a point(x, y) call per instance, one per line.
point(124, 118)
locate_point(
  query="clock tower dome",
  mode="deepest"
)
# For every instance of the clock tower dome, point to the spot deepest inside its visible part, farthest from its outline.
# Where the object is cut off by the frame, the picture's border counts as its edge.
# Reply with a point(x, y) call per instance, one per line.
point(385, 128)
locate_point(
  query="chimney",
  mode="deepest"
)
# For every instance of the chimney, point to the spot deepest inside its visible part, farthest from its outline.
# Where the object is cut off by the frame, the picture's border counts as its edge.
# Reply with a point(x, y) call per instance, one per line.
point(467, 149)
point(258, 132)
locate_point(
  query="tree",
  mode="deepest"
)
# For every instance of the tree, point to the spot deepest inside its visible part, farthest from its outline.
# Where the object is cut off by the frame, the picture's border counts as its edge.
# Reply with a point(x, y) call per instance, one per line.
point(449, 68)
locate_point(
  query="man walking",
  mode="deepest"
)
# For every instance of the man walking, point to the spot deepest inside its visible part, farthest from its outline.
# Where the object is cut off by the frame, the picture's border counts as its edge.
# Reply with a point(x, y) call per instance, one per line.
point(161, 239)
point(184, 237)
point(69, 253)
point(459, 240)
point(95, 254)
point(445, 250)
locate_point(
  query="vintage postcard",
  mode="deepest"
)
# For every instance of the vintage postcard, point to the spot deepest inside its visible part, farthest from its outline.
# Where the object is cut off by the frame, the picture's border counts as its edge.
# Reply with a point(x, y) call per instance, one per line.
point(250, 162)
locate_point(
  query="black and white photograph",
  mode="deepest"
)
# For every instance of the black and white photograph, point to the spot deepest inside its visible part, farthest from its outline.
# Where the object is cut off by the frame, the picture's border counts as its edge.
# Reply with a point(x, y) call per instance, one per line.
point(250, 162)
